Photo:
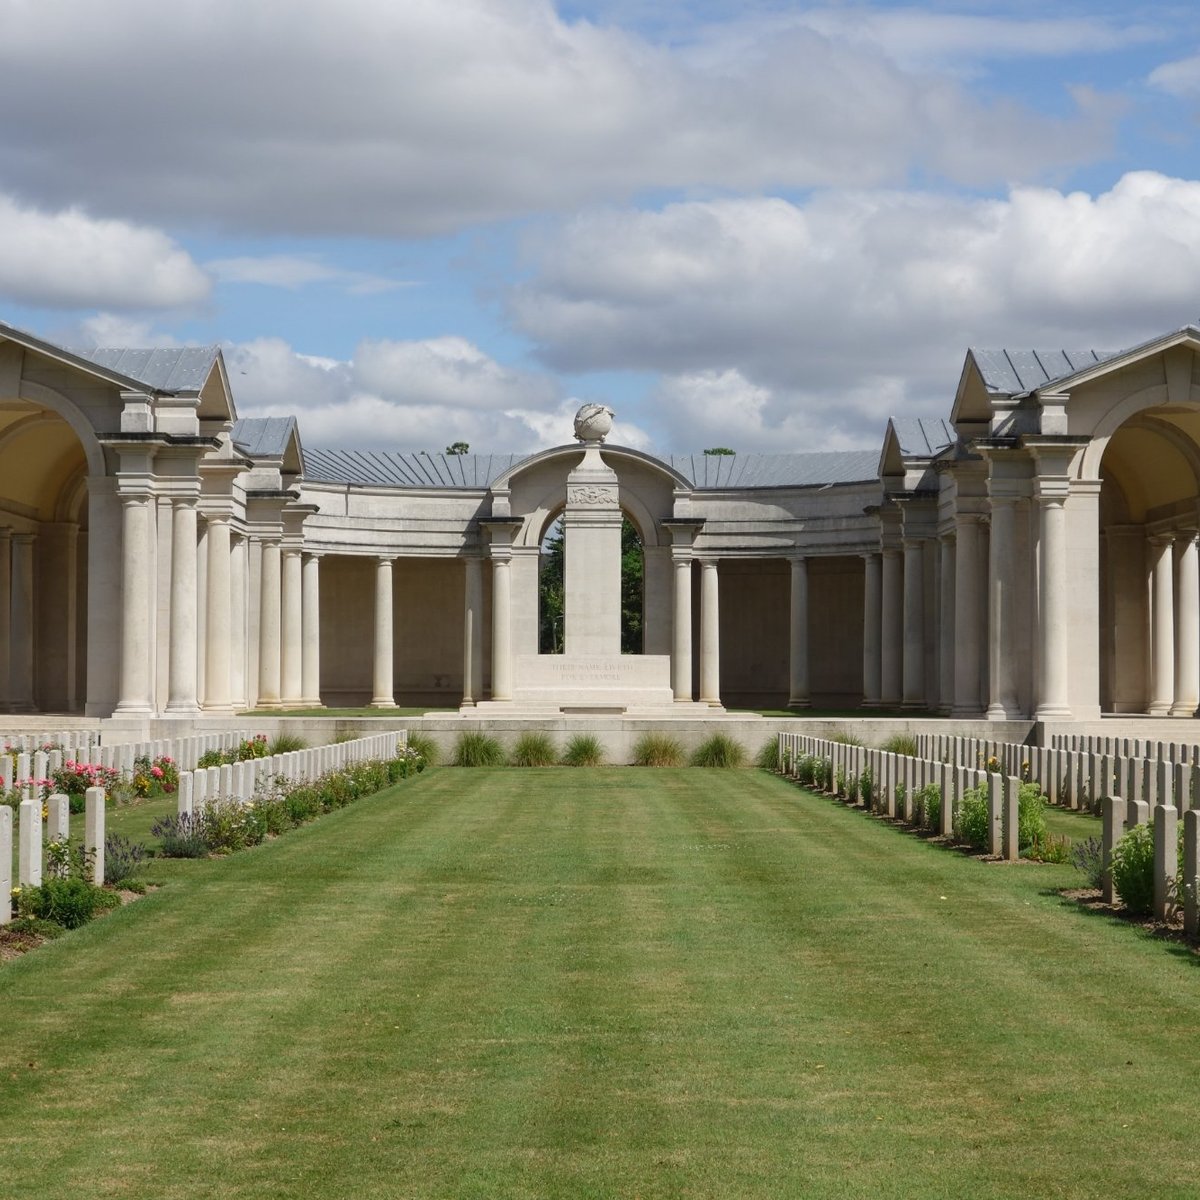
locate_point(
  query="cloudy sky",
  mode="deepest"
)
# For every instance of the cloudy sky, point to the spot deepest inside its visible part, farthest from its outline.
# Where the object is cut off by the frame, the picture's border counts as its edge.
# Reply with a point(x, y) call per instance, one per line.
point(754, 223)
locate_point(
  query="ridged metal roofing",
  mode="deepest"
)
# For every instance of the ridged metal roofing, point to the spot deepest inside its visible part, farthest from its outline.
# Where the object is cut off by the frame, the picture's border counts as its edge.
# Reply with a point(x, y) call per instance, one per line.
point(263, 437)
point(377, 468)
point(923, 437)
point(777, 470)
point(183, 369)
point(383, 468)
point(1015, 371)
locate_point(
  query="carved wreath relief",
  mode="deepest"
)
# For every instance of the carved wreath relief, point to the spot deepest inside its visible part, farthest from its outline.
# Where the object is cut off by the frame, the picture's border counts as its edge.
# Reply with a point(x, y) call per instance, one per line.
point(591, 494)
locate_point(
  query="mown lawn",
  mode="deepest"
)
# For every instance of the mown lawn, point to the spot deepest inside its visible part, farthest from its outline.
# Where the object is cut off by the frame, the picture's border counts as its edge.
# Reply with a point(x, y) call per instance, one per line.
point(606, 983)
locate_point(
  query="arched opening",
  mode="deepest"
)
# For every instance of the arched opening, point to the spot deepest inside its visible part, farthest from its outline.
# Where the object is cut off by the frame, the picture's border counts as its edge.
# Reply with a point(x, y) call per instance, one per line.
point(43, 560)
point(1149, 504)
point(552, 551)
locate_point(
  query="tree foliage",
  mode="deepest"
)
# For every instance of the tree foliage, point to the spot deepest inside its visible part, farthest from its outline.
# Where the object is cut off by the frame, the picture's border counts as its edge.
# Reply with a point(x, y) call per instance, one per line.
point(551, 590)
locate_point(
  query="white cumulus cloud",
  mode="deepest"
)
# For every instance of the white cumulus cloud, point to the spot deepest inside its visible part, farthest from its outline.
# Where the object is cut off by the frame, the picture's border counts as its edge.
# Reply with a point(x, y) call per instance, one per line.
point(838, 311)
point(370, 117)
point(68, 259)
point(406, 395)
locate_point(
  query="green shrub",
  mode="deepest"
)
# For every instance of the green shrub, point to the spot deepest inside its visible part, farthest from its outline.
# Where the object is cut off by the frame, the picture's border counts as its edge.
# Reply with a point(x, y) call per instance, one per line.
point(1087, 857)
point(67, 902)
point(769, 757)
point(927, 805)
point(477, 750)
point(901, 743)
point(534, 749)
point(583, 750)
point(971, 822)
point(35, 925)
point(720, 750)
point(1031, 819)
point(657, 750)
point(286, 743)
point(425, 746)
point(866, 786)
point(1133, 869)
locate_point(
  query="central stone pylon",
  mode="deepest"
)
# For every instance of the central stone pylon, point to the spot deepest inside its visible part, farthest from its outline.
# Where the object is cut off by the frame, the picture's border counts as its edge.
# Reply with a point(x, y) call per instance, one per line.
point(592, 576)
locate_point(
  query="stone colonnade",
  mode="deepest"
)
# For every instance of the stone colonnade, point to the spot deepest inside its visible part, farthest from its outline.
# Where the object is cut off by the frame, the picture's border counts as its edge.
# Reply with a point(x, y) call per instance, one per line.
point(243, 616)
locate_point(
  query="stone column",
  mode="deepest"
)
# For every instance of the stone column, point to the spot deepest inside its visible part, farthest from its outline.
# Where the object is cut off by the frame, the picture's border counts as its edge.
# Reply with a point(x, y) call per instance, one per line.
point(1002, 698)
point(1187, 641)
point(291, 680)
point(710, 633)
point(968, 613)
point(798, 626)
point(182, 651)
point(891, 628)
point(310, 662)
point(1054, 698)
point(872, 628)
point(218, 653)
point(946, 624)
point(681, 648)
point(237, 589)
point(473, 631)
point(1162, 619)
point(914, 623)
point(268, 627)
point(5, 614)
point(135, 605)
point(384, 685)
point(502, 672)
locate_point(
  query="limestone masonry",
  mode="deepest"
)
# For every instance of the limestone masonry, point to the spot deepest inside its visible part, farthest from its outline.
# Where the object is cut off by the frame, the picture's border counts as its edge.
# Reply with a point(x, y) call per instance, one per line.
point(1032, 557)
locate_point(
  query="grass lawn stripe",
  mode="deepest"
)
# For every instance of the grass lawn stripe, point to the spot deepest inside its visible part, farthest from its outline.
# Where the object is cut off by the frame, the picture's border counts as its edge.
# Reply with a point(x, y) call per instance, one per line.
point(574, 983)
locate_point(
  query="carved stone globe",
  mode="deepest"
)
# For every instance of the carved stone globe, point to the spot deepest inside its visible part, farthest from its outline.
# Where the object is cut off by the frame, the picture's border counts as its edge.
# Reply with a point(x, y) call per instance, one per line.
point(593, 422)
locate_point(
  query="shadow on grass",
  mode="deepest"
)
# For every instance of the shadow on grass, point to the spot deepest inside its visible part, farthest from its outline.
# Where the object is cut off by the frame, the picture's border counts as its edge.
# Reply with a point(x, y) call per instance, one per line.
point(1089, 902)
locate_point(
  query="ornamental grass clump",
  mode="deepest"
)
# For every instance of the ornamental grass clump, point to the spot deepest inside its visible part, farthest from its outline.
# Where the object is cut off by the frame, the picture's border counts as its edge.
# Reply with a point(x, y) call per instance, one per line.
point(477, 750)
point(583, 750)
point(286, 743)
point(425, 746)
point(534, 749)
point(720, 750)
point(901, 743)
point(769, 757)
point(657, 750)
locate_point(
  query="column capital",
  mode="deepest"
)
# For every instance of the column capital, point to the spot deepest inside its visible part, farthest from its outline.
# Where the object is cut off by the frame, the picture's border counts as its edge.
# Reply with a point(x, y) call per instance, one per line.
point(1162, 537)
point(23, 536)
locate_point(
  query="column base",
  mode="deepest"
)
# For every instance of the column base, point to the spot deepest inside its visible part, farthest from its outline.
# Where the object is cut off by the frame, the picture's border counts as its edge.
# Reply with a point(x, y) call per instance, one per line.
point(997, 712)
point(1160, 709)
point(217, 710)
point(805, 703)
point(1183, 710)
point(1052, 712)
point(383, 704)
point(182, 710)
point(132, 709)
point(311, 703)
point(963, 711)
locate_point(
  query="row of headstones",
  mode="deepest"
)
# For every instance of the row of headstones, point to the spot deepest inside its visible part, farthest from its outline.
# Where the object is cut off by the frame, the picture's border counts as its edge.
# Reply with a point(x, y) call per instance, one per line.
point(68, 739)
point(238, 782)
point(22, 770)
point(1128, 747)
point(889, 771)
point(1120, 816)
point(1130, 767)
point(57, 829)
